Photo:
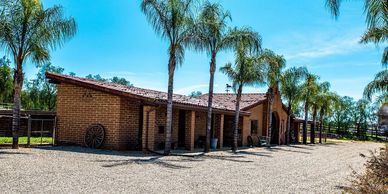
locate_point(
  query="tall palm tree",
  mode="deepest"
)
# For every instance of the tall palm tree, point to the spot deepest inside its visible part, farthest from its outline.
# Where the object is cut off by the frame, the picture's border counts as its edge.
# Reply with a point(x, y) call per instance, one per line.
point(245, 72)
point(275, 64)
point(212, 35)
point(290, 87)
point(29, 32)
point(309, 89)
point(317, 102)
point(172, 20)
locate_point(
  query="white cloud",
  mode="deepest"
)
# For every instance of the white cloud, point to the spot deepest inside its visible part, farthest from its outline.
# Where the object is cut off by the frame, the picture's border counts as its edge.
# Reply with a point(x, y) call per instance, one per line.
point(188, 89)
point(299, 45)
point(320, 49)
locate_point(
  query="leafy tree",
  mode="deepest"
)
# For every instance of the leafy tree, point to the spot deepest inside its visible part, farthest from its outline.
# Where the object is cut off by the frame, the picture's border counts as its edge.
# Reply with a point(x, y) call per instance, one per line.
point(29, 32)
point(246, 71)
point(213, 35)
point(122, 81)
point(115, 79)
point(361, 117)
point(39, 94)
point(342, 114)
point(195, 94)
point(172, 20)
point(5, 81)
point(290, 87)
point(96, 77)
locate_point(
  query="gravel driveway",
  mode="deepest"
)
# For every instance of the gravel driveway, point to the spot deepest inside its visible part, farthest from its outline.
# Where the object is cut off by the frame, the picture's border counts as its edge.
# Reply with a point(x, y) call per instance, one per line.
point(282, 169)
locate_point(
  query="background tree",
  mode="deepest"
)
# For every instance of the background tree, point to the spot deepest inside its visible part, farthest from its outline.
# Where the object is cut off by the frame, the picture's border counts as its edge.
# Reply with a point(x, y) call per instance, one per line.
point(195, 94)
point(5, 81)
point(115, 79)
point(290, 87)
point(213, 36)
point(40, 94)
point(122, 81)
point(245, 72)
point(172, 20)
point(28, 32)
point(96, 77)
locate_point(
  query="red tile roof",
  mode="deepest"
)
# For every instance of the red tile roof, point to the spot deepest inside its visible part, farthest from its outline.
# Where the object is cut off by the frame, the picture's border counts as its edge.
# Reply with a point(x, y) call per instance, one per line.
point(152, 96)
point(229, 100)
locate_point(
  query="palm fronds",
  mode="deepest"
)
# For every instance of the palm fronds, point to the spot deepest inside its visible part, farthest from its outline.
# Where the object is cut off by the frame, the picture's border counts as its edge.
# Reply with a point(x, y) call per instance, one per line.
point(378, 86)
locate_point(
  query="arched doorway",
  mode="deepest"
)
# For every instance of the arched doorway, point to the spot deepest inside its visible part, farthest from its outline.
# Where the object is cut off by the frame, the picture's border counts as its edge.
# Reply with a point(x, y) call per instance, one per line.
point(275, 128)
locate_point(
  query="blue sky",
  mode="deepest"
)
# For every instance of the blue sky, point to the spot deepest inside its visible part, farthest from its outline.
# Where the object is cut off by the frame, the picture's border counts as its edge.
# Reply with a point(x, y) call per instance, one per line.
point(114, 39)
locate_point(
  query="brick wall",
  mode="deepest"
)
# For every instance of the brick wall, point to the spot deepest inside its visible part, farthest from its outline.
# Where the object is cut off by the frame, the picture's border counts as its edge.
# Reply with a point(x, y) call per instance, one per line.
point(161, 122)
point(78, 108)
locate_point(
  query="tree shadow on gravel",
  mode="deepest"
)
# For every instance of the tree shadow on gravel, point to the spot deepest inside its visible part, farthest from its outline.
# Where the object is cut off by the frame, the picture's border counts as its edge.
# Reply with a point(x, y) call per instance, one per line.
point(305, 147)
point(157, 160)
point(276, 149)
point(163, 161)
point(235, 158)
point(13, 153)
point(260, 154)
point(5, 153)
point(84, 150)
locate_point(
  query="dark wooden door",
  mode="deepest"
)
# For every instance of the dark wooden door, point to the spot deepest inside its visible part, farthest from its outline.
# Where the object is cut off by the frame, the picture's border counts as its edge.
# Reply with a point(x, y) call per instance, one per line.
point(182, 128)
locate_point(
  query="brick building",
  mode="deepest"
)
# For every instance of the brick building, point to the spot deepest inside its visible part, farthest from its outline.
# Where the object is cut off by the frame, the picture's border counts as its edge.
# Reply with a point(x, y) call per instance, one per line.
point(134, 118)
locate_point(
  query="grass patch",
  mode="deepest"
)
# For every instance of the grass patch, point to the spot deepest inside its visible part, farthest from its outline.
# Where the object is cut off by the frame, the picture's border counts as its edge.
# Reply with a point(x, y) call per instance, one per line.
point(328, 140)
point(23, 140)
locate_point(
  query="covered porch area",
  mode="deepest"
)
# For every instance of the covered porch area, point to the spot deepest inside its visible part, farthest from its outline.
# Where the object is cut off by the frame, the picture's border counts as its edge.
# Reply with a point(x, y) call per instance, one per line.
point(189, 128)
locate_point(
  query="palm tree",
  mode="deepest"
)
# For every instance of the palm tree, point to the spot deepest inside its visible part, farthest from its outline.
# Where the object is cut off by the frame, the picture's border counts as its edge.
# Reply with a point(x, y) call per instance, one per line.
point(325, 100)
point(213, 36)
point(290, 87)
point(376, 19)
point(246, 71)
point(275, 63)
point(28, 32)
point(309, 89)
point(378, 86)
point(317, 102)
point(172, 20)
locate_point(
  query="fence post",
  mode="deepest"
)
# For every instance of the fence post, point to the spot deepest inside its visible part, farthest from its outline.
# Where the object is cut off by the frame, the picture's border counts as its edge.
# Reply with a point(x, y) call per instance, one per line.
point(54, 129)
point(41, 133)
point(29, 131)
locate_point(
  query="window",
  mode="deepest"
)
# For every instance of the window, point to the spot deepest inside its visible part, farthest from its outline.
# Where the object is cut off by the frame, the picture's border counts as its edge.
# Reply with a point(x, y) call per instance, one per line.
point(161, 129)
point(254, 126)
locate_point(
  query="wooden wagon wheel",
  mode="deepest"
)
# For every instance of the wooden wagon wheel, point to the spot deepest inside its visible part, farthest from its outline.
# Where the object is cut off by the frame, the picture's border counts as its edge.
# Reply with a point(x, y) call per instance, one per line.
point(95, 136)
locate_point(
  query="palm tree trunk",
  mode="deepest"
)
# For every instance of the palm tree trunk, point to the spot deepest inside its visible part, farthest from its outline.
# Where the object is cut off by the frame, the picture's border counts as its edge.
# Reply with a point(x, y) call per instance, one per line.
point(171, 71)
point(210, 102)
point(305, 122)
point(18, 84)
point(321, 114)
point(312, 134)
point(270, 101)
point(236, 118)
point(288, 139)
